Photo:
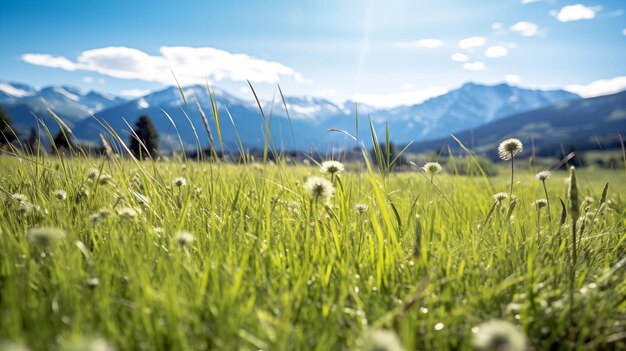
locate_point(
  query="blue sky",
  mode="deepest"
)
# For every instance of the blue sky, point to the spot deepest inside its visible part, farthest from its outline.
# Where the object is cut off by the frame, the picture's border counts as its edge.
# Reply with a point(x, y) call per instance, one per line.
point(383, 52)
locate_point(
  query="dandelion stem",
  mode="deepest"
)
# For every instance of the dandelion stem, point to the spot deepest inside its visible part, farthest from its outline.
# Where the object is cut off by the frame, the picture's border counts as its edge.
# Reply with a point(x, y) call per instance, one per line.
point(512, 172)
point(545, 190)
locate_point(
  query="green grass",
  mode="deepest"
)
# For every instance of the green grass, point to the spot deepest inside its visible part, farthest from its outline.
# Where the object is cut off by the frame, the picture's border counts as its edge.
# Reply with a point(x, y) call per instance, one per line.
point(271, 269)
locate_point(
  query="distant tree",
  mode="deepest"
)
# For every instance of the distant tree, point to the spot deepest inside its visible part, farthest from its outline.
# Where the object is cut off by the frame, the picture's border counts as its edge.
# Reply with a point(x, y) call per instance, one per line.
point(32, 142)
point(63, 140)
point(7, 134)
point(148, 135)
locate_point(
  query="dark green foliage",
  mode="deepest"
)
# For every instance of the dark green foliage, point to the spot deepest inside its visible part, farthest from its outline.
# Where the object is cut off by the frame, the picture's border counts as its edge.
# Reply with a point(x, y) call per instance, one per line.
point(147, 134)
point(6, 132)
point(63, 140)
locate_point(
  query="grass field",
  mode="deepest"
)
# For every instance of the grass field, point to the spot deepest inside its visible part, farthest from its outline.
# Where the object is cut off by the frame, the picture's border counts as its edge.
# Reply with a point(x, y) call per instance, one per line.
point(129, 257)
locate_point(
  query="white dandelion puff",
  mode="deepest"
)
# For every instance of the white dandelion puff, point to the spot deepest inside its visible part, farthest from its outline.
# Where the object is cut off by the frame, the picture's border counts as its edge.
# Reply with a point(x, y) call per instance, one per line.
point(185, 238)
point(382, 340)
point(541, 203)
point(45, 236)
point(500, 196)
point(498, 335)
point(93, 173)
point(319, 188)
point(127, 213)
point(432, 168)
point(510, 148)
point(17, 197)
point(60, 194)
point(543, 175)
point(332, 167)
point(360, 209)
point(179, 182)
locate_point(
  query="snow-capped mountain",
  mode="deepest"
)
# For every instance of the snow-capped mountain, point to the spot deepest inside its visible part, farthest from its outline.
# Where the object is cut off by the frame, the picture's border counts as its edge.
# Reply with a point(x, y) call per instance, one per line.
point(469, 106)
point(24, 102)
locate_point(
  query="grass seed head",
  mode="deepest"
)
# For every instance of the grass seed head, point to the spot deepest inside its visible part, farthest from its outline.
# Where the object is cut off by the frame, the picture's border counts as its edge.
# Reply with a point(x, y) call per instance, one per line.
point(432, 168)
point(319, 188)
point(332, 167)
point(510, 148)
point(496, 335)
point(572, 195)
point(45, 236)
point(93, 173)
point(542, 176)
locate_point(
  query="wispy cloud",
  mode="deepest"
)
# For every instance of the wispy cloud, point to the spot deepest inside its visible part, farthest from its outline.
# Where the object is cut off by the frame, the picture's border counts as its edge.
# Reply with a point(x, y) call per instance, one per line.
point(422, 43)
point(496, 26)
point(405, 98)
point(472, 42)
point(576, 12)
point(191, 65)
point(528, 1)
point(527, 29)
point(496, 51)
point(474, 66)
point(459, 57)
point(599, 87)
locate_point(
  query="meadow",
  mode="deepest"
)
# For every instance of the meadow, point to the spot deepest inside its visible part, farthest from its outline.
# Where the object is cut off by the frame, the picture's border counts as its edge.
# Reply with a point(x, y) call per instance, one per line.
point(106, 254)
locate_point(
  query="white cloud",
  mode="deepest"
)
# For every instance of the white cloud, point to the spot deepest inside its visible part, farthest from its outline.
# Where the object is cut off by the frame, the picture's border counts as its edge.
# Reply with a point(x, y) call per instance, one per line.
point(88, 79)
point(472, 42)
point(496, 51)
point(527, 29)
point(459, 57)
point(624, 31)
point(599, 87)
point(50, 61)
point(512, 78)
point(474, 66)
point(325, 93)
point(407, 86)
point(406, 98)
point(496, 25)
point(576, 12)
point(190, 65)
point(528, 1)
point(423, 43)
point(135, 93)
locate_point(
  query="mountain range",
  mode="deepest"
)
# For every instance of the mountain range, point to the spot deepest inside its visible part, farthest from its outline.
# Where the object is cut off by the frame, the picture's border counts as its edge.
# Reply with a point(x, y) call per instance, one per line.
point(302, 125)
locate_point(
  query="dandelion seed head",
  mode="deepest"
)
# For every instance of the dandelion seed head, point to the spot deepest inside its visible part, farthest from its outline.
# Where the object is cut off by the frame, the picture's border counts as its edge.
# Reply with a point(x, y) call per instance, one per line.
point(93, 173)
point(127, 213)
point(179, 182)
point(382, 340)
point(185, 238)
point(541, 203)
point(60, 194)
point(45, 236)
point(93, 282)
point(432, 167)
point(360, 209)
point(105, 179)
point(510, 148)
point(17, 197)
point(588, 199)
point(25, 208)
point(543, 175)
point(498, 335)
point(332, 167)
point(319, 188)
point(500, 196)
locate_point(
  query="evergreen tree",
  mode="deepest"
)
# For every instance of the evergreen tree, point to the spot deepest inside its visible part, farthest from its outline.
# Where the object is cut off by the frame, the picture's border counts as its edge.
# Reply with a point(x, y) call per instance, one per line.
point(7, 134)
point(148, 135)
point(32, 142)
point(64, 140)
